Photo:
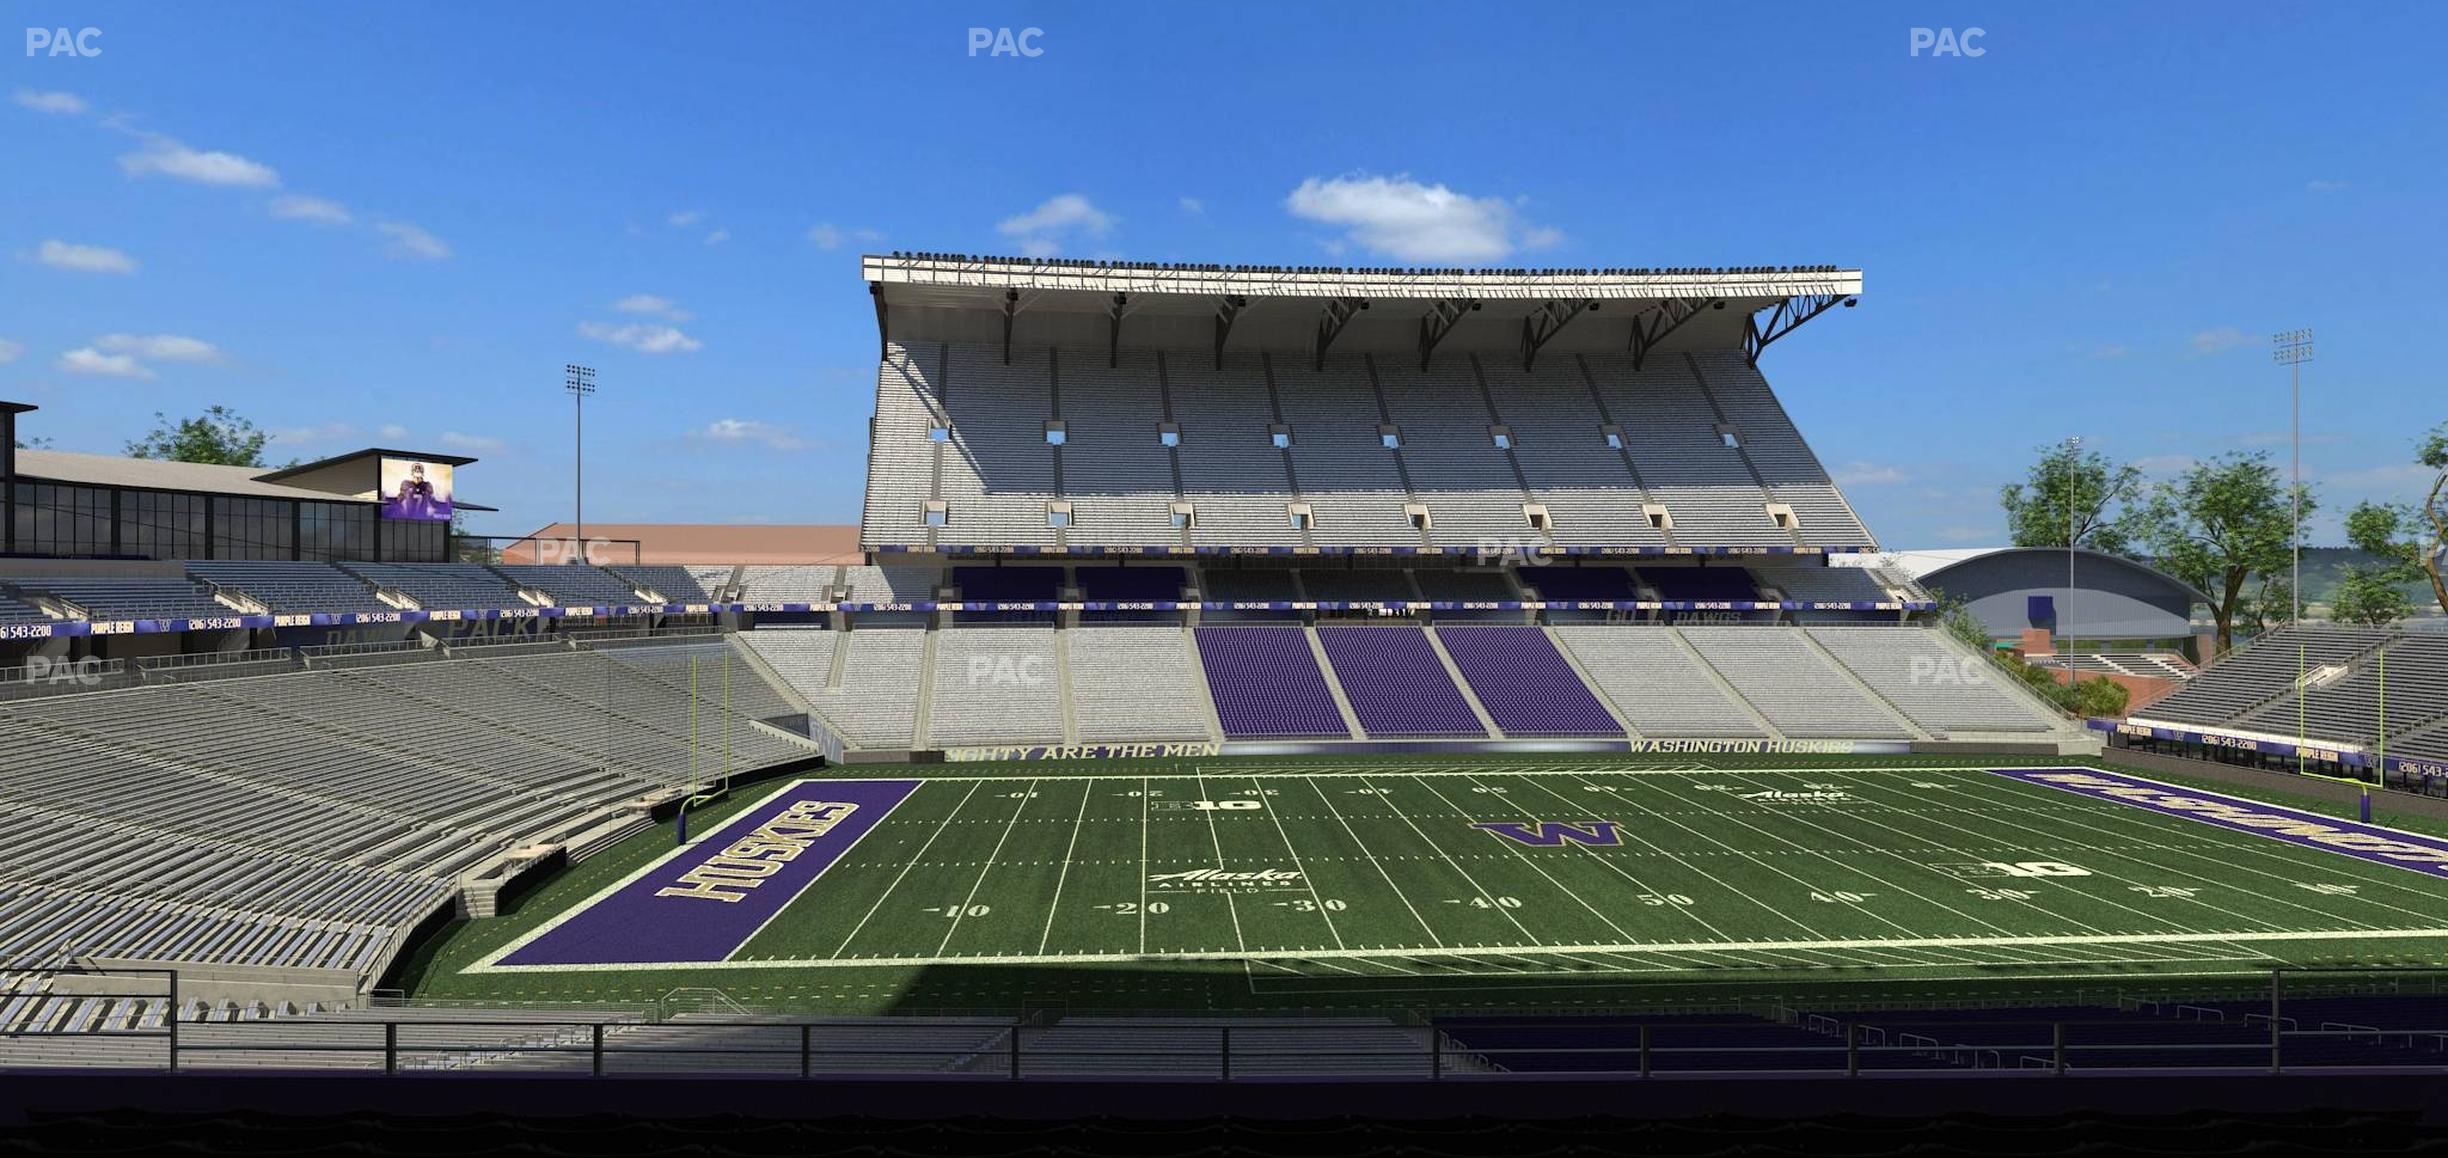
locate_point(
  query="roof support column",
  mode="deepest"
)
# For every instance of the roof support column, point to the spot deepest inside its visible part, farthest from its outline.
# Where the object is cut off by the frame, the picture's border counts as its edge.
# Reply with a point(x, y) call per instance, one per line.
point(1226, 314)
point(1113, 334)
point(1338, 313)
point(1544, 323)
point(1440, 320)
point(875, 289)
point(1786, 317)
point(1650, 326)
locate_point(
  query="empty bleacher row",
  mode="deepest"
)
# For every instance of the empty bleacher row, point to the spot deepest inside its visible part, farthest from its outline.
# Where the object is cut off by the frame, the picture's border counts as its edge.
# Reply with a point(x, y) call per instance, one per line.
point(1055, 449)
point(903, 686)
point(310, 820)
point(2365, 687)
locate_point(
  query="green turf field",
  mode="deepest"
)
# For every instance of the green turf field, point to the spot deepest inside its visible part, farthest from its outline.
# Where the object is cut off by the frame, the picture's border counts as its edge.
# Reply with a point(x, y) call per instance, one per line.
point(1286, 885)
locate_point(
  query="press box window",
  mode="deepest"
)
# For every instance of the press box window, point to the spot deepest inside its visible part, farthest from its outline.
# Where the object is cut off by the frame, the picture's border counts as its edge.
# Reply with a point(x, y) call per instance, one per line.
point(1168, 433)
point(1659, 519)
point(1614, 436)
point(1731, 437)
point(1390, 437)
point(1418, 516)
point(938, 432)
point(1055, 433)
point(1300, 516)
point(1280, 435)
point(1058, 515)
point(1536, 516)
point(1502, 436)
point(938, 514)
point(1783, 516)
point(1184, 516)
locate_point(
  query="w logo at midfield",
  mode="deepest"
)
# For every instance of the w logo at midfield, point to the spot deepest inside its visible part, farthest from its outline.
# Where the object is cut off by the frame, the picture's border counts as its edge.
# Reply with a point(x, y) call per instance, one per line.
point(1549, 833)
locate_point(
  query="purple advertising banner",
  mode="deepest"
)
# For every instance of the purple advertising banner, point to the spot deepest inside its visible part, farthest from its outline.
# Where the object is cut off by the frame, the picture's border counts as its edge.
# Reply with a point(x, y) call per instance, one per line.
point(704, 902)
point(2406, 850)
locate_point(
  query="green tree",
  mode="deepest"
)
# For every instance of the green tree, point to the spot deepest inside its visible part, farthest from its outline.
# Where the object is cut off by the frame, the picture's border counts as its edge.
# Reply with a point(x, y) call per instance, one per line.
point(218, 436)
point(2221, 526)
point(2432, 451)
point(2074, 497)
point(2374, 593)
point(34, 444)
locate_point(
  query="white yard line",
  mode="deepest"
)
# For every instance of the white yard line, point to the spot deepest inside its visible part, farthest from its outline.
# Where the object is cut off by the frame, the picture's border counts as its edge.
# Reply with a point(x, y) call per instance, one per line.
point(2258, 845)
point(962, 913)
point(1077, 823)
point(1601, 858)
point(1665, 947)
point(1375, 863)
point(1524, 857)
point(941, 827)
point(1240, 940)
point(1268, 805)
point(1477, 888)
point(2148, 917)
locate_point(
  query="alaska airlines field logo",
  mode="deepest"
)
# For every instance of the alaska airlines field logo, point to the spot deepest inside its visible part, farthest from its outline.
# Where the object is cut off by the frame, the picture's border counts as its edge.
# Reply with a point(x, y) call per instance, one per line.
point(1224, 880)
point(745, 863)
point(1781, 796)
point(1553, 833)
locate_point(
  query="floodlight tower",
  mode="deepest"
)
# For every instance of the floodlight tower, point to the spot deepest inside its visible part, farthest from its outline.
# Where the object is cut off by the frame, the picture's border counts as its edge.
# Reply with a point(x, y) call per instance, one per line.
point(2065, 622)
point(2291, 349)
point(579, 381)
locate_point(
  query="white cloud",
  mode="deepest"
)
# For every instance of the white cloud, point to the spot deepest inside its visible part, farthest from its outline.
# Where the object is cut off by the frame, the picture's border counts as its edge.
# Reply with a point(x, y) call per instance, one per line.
point(1410, 221)
point(391, 431)
point(1043, 231)
point(1859, 473)
point(826, 236)
point(2220, 340)
point(409, 243)
point(328, 432)
point(160, 347)
point(748, 430)
point(477, 442)
point(685, 218)
point(10, 351)
point(312, 210)
point(2325, 186)
point(718, 237)
point(2165, 463)
point(84, 258)
point(162, 156)
point(660, 307)
point(1194, 207)
point(641, 337)
point(61, 103)
point(94, 363)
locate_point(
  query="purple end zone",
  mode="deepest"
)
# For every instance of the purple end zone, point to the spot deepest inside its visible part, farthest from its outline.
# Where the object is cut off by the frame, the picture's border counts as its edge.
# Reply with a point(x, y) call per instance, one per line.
point(704, 903)
point(2405, 850)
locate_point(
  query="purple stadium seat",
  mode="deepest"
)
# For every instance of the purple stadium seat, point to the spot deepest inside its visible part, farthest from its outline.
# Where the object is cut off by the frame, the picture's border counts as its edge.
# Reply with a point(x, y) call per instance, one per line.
point(1525, 684)
point(1266, 683)
point(1396, 684)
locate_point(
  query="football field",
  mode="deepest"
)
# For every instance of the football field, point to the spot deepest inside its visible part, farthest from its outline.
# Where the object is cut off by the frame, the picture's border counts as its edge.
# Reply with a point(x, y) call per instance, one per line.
point(1310, 879)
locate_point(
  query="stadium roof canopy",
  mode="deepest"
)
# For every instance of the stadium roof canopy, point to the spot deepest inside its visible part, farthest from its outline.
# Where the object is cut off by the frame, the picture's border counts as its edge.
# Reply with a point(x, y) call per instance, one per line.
point(1107, 304)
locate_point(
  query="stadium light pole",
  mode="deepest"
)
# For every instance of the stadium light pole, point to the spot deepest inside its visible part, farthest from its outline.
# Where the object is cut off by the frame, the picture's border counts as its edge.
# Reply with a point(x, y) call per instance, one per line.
point(579, 381)
point(2291, 349)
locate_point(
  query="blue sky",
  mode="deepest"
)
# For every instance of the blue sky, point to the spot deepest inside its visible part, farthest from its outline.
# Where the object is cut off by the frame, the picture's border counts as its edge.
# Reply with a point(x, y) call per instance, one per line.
point(394, 224)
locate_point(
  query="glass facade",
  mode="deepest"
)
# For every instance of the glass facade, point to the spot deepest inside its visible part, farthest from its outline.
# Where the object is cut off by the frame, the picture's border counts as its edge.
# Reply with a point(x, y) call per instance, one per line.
point(82, 521)
point(63, 520)
point(253, 528)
